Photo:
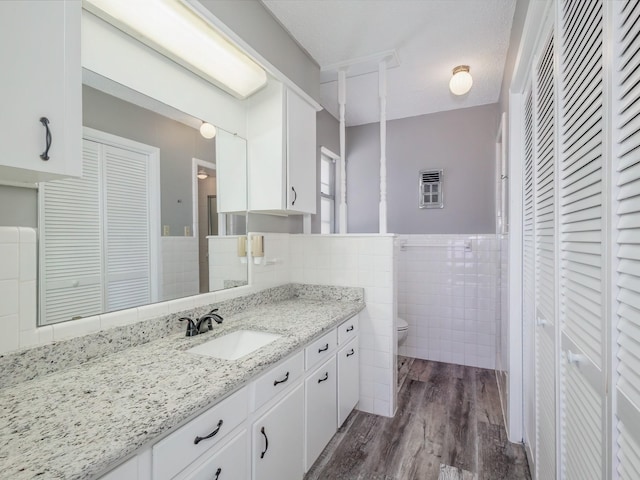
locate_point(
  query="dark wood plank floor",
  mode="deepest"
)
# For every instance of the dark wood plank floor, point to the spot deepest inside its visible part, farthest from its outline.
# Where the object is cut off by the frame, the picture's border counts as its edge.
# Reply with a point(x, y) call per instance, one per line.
point(448, 421)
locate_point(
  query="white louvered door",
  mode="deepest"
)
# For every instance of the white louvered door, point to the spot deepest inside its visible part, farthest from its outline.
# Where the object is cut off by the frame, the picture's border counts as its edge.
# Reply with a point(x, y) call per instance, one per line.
point(70, 243)
point(95, 236)
point(528, 281)
point(626, 123)
point(544, 218)
point(582, 245)
point(126, 206)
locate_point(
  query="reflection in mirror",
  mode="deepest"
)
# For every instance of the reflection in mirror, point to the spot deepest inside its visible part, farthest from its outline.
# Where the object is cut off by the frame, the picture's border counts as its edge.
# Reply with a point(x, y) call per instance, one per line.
point(143, 224)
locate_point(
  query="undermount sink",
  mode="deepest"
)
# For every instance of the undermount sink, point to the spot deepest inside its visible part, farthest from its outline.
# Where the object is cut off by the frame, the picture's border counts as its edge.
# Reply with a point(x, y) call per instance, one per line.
point(235, 344)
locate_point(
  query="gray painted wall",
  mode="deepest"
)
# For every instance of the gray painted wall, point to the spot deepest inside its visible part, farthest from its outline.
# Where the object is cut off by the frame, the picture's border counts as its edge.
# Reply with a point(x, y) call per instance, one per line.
point(462, 142)
point(252, 22)
point(178, 144)
point(18, 207)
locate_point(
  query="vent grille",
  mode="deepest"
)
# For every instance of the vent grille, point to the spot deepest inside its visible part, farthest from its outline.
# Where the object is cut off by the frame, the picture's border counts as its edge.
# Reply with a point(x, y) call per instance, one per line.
point(430, 189)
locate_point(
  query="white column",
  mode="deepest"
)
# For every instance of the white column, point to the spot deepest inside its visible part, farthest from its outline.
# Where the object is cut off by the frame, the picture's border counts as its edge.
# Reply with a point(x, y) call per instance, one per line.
point(382, 91)
point(342, 100)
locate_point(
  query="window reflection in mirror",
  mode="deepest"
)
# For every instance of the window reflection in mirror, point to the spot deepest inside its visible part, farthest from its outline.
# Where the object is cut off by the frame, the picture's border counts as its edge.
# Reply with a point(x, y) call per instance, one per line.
point(142, 224)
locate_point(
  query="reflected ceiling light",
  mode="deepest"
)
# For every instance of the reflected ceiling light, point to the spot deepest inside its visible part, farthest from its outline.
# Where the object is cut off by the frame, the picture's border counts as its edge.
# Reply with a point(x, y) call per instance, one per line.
point(172, 28)
point(461, 81)
point(207, 130)
point(202, 174)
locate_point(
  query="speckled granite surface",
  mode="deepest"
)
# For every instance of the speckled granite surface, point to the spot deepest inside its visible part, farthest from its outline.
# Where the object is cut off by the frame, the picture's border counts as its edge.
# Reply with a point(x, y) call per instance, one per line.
point(76, 422)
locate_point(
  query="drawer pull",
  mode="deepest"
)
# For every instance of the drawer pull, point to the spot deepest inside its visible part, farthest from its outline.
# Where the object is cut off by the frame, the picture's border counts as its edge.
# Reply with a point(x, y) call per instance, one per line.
point(350, 328)
point(218, 472)
point(350, 353)
point(326, 377)
point(47, 136)
point(323, 349)
point(266, 442)
point(212, 434)
point(276, 382)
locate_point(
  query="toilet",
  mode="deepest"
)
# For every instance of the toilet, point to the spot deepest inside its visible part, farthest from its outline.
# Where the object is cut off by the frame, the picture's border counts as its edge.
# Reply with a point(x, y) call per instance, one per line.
point(403, 330)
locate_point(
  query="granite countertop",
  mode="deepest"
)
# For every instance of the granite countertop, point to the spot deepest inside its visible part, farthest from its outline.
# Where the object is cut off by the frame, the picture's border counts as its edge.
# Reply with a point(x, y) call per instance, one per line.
point(77, 422)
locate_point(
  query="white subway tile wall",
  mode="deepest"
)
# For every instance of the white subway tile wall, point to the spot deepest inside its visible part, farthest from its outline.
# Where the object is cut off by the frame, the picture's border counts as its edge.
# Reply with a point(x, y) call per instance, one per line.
point(365, 261)
point(224, 263)
point(274, 267)
point(449, 296)
point(180, 269)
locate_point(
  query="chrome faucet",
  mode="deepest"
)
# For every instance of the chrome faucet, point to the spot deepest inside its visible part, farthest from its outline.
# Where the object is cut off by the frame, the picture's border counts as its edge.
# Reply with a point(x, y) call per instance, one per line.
point(195, 328)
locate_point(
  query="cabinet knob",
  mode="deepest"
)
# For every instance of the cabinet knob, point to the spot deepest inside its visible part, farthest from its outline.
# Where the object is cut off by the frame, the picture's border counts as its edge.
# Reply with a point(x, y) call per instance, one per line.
point(45, 122)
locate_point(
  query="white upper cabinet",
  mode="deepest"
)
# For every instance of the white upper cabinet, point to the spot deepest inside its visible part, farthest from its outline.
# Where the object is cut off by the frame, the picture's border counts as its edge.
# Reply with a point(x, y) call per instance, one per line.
point(282, 152)
point(231, 172)
point(41, 79)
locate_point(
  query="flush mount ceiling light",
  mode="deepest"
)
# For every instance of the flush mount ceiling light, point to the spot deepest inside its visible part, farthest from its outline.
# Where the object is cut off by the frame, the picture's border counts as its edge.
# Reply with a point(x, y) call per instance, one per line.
point(172, 28)
point(207, 130)
point(461, 81)
point(202, 174)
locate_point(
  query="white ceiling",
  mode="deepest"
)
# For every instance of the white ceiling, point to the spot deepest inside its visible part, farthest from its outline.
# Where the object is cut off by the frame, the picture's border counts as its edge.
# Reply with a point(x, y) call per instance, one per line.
point(430, 37)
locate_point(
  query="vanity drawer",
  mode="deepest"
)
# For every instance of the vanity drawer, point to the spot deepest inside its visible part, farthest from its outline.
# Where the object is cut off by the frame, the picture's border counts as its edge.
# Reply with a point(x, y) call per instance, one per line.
point(172, 454)
point(277, 379)
point(321, 349)
point(348, 330)
point(226, 463)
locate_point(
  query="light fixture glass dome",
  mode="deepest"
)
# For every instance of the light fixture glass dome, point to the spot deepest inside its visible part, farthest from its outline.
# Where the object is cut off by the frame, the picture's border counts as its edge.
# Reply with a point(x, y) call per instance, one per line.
point(202, 174)
point(207, 130)
point(461, 81)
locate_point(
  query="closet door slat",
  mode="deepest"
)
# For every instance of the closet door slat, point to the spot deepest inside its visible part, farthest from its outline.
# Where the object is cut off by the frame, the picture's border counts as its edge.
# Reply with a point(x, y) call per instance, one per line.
point(627, 136)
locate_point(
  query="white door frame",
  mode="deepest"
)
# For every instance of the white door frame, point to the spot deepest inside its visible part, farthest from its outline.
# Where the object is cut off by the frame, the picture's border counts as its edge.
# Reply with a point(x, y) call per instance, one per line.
point(155, 265)
point(196, 163)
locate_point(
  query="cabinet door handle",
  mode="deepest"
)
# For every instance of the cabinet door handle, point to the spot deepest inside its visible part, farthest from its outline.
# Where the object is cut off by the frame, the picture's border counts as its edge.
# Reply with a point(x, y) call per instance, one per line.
point(295, 196)
point(218, 472)
point(323, 349)
point(326, 377)
point(350, 353)
point(266, 442)
point(212, 434)
point(45, 122)
point(350, 328)
point(276, 382)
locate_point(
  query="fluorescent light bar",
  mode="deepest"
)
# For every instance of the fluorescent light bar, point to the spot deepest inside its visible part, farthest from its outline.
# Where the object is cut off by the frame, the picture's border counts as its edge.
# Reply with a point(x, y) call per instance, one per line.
point(173, 29)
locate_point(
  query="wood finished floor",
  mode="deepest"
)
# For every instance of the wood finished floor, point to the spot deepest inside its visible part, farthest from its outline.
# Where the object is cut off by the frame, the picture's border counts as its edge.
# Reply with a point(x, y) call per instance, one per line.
point(448, 425)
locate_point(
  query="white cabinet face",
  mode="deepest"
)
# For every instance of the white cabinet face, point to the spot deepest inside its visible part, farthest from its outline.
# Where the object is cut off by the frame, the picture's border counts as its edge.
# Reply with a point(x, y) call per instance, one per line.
point(278, 439)
point(43, 58)
point(348, 379)
point(301, 155)
point(231, 172)
point(227, 463)
point(321, 409)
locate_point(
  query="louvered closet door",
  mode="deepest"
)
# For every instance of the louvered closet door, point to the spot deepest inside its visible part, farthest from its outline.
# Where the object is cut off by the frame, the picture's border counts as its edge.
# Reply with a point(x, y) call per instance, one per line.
point(70, 241)
point(627, 136)
point(545, 262)
point(528, 281)
point(582, 253)
point(127, 254)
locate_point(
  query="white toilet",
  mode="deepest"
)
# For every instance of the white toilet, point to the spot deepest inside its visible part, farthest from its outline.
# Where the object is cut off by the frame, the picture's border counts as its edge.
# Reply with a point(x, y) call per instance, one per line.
point(403, 330)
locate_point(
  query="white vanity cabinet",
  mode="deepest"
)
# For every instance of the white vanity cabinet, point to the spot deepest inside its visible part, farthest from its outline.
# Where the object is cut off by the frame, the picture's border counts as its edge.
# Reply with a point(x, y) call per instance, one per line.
point(320, 410)
point(229, 462)
point(278, 439)
point(42, 78)
point(348, 379)
point(281, 152)
point(194, 440)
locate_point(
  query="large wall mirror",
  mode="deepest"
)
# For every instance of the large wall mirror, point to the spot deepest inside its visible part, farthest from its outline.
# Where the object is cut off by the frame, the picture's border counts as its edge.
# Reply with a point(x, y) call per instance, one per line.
point(143, 224)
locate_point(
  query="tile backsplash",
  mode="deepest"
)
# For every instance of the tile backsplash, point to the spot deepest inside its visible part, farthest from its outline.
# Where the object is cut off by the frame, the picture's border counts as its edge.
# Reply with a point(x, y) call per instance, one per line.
point(18, 270)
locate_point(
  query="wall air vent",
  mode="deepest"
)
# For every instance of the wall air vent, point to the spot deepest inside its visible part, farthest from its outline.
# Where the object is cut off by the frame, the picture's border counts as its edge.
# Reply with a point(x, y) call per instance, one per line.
point(430, 192)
